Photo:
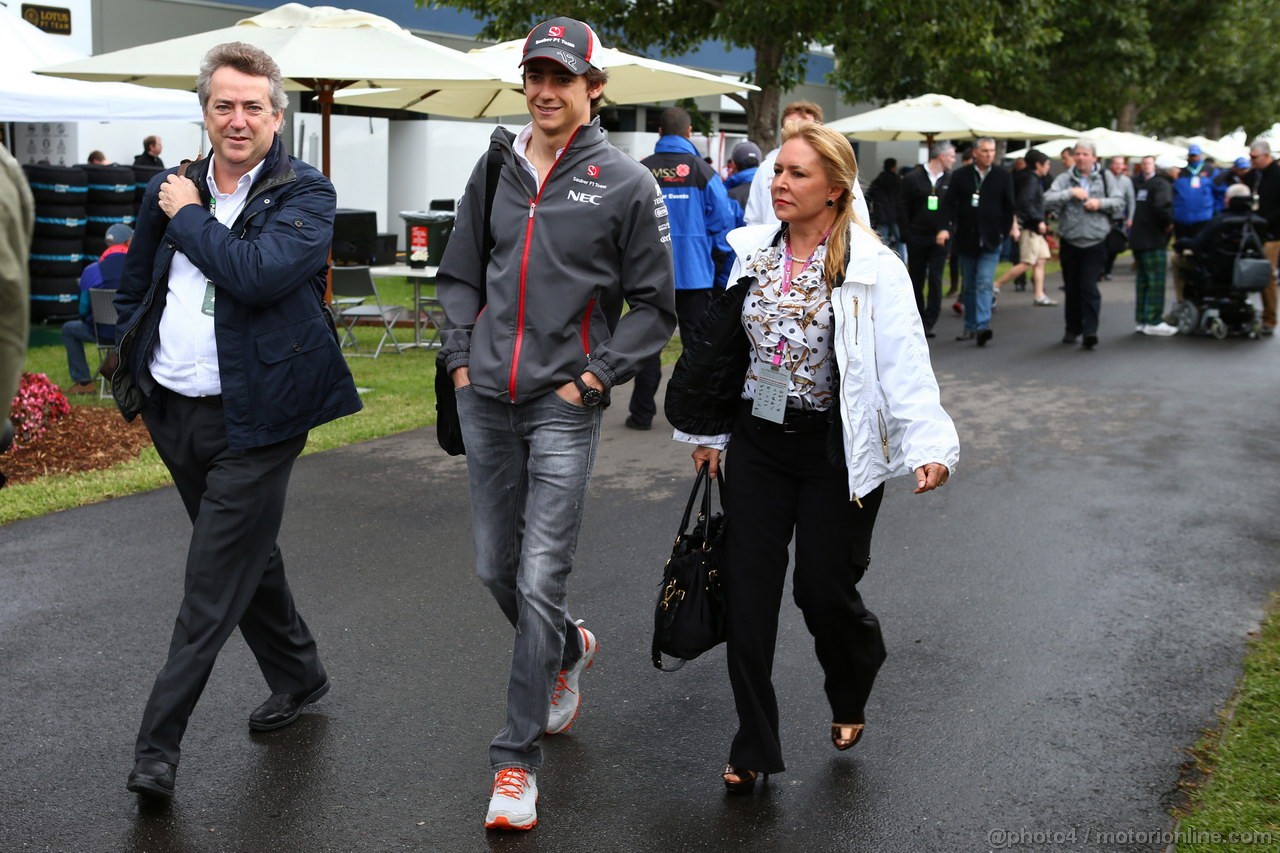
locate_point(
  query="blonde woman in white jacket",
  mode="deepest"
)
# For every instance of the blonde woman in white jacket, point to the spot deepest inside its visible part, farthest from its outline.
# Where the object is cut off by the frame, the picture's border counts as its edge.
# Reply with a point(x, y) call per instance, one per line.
point(814, 371)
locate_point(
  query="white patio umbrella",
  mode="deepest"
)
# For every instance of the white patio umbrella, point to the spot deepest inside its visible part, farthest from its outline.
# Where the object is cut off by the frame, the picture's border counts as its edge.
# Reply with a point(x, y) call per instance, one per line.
point(1225, 150)
point(1110, 143)
point(25, 96)
point(322, 49)
point(632, 80)
point(940, 116)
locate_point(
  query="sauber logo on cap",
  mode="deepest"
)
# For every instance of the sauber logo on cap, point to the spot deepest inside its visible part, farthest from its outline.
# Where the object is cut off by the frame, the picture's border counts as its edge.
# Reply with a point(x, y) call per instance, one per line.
point(683, 170)
point(555, 32)
point(593, 171)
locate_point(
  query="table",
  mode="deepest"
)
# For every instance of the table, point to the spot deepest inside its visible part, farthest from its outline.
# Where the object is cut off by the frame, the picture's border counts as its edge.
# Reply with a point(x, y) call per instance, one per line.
point(417, 276)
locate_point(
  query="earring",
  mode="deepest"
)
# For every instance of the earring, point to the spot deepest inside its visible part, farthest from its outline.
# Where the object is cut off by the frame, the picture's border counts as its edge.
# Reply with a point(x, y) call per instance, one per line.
point(831, 202)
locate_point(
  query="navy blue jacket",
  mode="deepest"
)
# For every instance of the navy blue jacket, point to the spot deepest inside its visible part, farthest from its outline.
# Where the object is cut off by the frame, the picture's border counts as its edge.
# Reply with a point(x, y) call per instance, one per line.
point(699, 211)
point(281, 369)
point(738, 186)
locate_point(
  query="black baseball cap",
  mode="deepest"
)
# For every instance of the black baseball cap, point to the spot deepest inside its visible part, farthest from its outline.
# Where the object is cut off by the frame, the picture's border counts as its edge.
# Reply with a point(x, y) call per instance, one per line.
point(746, 155)
point(563, 40)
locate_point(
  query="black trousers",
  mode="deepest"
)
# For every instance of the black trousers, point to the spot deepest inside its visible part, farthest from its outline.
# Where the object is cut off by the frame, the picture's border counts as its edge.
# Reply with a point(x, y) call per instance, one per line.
point(925, 262)
point(1081, 269)
point(690, 306)
point(234, 573)
point(778, 483)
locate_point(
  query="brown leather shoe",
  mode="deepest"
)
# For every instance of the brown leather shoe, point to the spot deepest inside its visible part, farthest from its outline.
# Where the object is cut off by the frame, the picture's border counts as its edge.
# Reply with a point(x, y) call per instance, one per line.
point(83, 388)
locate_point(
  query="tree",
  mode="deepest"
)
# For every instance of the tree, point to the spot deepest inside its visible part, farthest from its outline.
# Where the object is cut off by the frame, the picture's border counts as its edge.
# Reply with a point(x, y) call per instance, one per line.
point(982, 50)
point(1215, 67)
point(778, 33)
point(1159, 66)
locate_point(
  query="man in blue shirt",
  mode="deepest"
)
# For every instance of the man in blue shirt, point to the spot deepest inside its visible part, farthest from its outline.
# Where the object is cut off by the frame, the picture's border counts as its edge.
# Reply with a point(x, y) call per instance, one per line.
point(700, 214)
point(105, 272)
point(1194, 203)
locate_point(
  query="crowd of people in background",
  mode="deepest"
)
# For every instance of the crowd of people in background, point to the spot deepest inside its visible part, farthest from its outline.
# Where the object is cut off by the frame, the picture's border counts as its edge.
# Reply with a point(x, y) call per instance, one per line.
point(975, 214)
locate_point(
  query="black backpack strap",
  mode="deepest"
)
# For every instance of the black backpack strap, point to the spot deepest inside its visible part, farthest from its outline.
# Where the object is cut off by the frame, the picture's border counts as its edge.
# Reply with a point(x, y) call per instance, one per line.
point(492, 172)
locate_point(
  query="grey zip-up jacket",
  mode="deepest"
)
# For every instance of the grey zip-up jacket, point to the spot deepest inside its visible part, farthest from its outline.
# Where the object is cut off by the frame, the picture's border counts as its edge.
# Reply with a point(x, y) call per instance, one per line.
point(1077, 226)
point(564, 258)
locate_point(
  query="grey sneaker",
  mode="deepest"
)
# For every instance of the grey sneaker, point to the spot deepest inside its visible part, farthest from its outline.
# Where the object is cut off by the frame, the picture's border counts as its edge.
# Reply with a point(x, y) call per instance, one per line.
point(513, 804)
point(566, 702)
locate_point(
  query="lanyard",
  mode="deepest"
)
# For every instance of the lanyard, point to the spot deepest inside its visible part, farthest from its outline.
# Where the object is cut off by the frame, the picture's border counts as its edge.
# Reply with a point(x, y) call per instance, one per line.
point(787, 261)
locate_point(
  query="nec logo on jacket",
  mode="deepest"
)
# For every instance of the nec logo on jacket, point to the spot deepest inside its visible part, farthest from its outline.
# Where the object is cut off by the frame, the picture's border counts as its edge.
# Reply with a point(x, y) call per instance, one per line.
point(583, 198)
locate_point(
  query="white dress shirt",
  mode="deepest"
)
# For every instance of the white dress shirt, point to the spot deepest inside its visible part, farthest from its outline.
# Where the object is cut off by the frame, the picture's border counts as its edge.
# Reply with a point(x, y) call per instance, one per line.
point(521, 149)
point(186, 359)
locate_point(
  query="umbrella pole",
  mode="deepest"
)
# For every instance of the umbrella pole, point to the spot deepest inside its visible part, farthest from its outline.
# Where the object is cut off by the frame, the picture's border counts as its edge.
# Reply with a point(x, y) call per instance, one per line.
point(325, 90)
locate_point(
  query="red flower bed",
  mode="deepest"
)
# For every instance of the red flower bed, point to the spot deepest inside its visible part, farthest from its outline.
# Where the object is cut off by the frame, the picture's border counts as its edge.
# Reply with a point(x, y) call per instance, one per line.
point(53, 437)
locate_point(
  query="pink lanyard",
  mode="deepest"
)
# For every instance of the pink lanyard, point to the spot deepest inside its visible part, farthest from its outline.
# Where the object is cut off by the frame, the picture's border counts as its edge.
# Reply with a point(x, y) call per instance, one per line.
point(787, 261)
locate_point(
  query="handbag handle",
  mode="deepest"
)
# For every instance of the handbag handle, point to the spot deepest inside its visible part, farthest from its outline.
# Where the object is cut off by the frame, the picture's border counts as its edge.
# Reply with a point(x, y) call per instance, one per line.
point(706, 501)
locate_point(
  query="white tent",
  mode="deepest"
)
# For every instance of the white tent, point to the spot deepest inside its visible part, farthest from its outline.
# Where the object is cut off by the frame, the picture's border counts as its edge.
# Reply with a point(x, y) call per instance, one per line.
point(28, 97)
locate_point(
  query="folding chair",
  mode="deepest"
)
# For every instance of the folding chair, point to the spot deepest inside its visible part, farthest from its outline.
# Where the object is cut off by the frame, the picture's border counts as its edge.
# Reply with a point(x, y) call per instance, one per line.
point(356, 281)
point(102, 305)
point(434, 312)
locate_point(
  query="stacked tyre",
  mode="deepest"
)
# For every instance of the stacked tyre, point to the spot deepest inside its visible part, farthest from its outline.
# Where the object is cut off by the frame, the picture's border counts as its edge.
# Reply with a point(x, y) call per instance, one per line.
point(142, 176)
point(111, 192)
point(58, 251)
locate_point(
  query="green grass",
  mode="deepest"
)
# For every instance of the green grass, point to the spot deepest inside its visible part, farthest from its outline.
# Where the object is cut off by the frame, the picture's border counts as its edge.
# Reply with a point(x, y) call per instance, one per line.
point(397, 390)
point(1240, 762)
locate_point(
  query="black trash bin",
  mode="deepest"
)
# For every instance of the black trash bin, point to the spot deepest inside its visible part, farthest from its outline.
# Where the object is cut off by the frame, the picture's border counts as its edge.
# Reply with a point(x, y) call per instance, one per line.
point(426, 235)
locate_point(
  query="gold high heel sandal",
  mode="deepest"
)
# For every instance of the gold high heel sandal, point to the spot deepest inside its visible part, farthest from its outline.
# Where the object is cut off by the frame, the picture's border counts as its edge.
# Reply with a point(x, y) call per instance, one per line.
point(738, 780)
point(845, 735)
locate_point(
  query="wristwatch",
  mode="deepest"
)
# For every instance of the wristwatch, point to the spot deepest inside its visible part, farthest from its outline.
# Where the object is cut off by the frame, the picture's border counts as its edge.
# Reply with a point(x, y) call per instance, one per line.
point(590, 396)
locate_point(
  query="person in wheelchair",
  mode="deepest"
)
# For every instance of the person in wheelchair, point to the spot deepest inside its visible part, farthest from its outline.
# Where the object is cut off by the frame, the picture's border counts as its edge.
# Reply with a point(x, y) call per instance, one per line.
point(1214, 288)
point(1218, 243)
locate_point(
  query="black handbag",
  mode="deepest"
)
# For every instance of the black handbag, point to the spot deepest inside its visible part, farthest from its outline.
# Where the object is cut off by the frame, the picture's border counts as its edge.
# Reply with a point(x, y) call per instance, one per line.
point(1251, 271)
point(448, 427)
point(1117, 241)
point(689, 618)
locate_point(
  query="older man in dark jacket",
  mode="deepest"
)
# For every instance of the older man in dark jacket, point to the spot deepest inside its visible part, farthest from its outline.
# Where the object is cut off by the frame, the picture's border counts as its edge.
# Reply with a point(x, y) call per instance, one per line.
point(1149, 239)
point(229, 350)
point(979, 208)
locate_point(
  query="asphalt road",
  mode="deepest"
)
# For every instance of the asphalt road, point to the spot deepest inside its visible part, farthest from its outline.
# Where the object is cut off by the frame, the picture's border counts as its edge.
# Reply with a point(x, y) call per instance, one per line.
point(1062, 620)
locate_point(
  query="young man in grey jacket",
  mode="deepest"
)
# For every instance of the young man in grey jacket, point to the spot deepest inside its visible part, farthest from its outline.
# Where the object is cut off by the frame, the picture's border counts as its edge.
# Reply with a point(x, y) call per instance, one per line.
point(1086, 200)
point(534, 345)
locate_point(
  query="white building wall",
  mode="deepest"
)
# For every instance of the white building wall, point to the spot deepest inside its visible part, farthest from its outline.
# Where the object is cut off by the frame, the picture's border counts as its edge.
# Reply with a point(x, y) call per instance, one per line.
point(358, 160)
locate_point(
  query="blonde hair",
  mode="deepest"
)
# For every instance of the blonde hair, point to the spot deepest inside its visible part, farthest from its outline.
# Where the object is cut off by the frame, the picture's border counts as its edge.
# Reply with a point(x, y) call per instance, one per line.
point(807, 107)
point(841, 168)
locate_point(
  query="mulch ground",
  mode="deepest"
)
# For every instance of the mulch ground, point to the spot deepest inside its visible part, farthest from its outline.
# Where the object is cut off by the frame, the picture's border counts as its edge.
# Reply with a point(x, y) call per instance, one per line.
point(88, 439)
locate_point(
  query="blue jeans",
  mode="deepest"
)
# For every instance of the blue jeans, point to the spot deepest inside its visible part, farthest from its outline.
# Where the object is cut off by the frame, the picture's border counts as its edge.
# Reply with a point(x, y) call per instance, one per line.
point(978, 273)
point(528, 465)
point(75, 334)
point(892, 237)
